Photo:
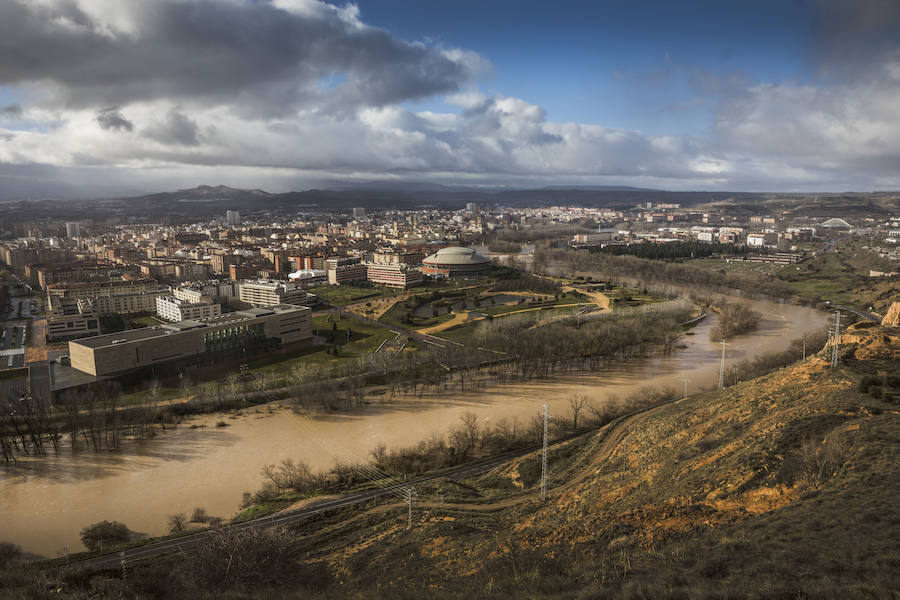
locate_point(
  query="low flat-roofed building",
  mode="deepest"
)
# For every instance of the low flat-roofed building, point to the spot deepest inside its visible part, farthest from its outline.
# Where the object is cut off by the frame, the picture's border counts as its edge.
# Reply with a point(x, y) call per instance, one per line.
point(193, 342)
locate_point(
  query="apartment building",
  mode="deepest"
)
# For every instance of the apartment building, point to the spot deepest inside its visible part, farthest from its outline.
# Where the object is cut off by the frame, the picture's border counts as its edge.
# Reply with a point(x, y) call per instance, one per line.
point(174, 309)
point(396, 275)
point(264, 292)
point(70, 318)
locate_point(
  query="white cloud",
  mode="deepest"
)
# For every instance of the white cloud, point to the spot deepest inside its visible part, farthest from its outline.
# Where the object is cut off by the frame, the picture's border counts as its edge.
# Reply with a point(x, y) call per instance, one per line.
point(93, 104)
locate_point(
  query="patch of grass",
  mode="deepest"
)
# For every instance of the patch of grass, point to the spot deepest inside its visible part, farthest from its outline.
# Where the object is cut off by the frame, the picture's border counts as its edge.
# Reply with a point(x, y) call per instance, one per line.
point(145, 321)
point(340, 295)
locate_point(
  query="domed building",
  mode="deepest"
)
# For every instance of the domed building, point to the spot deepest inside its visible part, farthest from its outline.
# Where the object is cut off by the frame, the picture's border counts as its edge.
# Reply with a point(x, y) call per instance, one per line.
point(455, 262)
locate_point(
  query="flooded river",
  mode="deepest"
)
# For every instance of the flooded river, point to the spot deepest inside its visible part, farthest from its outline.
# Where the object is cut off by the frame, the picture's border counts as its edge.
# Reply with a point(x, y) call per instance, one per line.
point(45, 503)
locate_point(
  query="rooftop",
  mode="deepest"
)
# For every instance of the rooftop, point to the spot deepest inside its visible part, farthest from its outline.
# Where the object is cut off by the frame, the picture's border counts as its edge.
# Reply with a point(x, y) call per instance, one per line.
point(144, 333)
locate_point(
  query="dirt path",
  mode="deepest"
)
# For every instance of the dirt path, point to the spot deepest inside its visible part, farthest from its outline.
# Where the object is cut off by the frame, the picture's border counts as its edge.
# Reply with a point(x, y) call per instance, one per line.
point(458, 319)
point(612, 436)
point(599, 298)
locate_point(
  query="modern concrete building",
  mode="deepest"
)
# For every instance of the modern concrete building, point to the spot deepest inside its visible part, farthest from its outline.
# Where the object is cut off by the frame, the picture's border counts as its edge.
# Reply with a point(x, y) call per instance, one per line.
point(193, 343)
point(73, 229)
point(175, 309)
point(401, 276)
point(263, 292)
point(345, 269)
point(233, 217)
point(68, 318)
point(455, 261)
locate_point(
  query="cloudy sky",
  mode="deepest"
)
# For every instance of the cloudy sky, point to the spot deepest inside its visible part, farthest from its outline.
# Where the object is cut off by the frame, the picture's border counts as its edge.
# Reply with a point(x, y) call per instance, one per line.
point(120, 96)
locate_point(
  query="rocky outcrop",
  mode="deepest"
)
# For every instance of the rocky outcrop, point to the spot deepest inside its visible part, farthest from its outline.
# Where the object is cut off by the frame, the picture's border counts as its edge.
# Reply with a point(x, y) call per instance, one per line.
point(892, 318)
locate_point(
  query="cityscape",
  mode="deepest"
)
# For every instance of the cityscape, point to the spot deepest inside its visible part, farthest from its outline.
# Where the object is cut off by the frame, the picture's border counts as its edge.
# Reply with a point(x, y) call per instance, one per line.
point(300, 299)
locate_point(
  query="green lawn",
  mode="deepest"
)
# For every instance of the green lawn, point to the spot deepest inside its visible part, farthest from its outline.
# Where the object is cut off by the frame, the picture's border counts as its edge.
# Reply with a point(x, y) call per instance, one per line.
point(364, 338)
point(340, 295)
point(145, 321)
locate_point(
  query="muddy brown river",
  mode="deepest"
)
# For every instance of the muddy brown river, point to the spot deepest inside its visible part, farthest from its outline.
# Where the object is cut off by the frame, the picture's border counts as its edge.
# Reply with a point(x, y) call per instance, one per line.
point(45, 502)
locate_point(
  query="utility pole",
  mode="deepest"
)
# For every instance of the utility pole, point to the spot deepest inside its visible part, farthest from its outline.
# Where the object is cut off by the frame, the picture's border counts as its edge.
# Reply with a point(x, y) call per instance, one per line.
point(685, 386)
point(544, 457)
point(837, 338)
point(722, 368)
point(410, 498)
point(804, 348)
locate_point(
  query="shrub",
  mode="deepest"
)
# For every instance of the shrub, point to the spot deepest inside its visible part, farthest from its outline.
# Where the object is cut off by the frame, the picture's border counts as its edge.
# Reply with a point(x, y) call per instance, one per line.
point(230, 557)
point(105, 533)
point(199, 515)
point(9, 554)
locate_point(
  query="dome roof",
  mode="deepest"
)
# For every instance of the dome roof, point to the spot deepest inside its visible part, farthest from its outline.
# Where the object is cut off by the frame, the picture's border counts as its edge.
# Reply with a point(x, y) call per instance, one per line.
point(456, 255)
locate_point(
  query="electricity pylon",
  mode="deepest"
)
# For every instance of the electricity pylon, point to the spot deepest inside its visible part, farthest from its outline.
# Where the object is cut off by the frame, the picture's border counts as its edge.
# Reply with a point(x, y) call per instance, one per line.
point(544, 457)
point(722, 367)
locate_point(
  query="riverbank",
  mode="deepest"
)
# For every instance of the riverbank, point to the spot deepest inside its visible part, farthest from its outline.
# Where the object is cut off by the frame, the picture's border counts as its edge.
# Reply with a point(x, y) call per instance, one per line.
point(47, 502)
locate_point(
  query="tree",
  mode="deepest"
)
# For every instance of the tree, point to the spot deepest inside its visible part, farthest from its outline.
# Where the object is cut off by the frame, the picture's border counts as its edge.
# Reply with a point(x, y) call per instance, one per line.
point(177, 522)
point(105, 533)
point(199, 515)
point(577, 404)
point(9, 554)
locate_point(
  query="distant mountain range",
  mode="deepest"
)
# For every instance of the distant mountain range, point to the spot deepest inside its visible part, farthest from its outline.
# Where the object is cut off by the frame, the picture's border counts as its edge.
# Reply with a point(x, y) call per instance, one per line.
point(201, 202)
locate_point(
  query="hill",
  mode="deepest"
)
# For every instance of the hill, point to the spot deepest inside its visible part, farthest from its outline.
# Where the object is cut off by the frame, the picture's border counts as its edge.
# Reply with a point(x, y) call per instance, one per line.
point(783, 486)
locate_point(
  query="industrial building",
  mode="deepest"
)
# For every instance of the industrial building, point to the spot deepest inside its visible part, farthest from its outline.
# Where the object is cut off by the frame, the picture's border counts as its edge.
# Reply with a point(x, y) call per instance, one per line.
point(193, 343)
point(455, 261)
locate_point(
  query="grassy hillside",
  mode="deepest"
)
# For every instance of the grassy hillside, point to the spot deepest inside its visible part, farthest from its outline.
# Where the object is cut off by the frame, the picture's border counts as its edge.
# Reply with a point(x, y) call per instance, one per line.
point(780, 487)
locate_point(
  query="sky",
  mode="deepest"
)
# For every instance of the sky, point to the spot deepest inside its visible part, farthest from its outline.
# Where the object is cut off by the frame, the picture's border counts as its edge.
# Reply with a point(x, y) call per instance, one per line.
point(102, 97)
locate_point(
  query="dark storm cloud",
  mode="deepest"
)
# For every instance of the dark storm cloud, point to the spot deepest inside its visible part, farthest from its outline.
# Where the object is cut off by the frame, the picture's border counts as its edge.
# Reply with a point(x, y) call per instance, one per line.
point(112, 119)
point(176, 128)
point(853, 38)
point(267, 59)
point(11, 110)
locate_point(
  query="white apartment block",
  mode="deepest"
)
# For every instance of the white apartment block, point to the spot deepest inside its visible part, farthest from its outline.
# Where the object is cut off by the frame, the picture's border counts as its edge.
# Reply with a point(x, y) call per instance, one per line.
point(126, 304)
point(262, 292)
point(171, 308)
point(192, 295)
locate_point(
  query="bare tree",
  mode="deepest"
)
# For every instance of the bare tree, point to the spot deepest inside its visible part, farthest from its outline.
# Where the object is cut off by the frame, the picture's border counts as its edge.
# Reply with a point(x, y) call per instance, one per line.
point(577, 404)
point(232, 383)
point(178, 522)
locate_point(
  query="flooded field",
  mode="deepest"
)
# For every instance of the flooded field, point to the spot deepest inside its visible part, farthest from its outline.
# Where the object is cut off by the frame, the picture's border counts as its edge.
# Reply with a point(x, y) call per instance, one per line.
point(45, 503)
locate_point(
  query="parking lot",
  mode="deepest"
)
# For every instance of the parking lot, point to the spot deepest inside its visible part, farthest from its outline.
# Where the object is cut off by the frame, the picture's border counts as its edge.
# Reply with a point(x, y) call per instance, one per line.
point(13, 339)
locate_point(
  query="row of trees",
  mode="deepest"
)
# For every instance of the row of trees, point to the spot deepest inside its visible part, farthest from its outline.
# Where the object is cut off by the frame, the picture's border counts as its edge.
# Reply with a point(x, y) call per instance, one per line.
point(685, 249)
point(734, 319)
point(626, 270)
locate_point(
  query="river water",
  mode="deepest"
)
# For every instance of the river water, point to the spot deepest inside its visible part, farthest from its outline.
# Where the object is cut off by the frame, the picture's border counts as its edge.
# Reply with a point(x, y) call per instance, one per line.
point(44, 503)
